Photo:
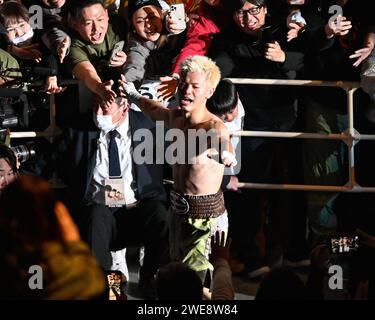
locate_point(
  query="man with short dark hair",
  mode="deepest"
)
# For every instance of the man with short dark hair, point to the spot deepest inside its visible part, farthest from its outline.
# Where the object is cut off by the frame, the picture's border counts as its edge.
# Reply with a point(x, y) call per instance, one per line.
point(92, 42)
point(103, 160)
point(256, 47)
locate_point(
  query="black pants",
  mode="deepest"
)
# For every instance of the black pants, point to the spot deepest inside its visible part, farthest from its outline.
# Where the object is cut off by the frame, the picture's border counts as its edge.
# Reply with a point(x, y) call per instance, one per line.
point(105, 229)
point(266, 161)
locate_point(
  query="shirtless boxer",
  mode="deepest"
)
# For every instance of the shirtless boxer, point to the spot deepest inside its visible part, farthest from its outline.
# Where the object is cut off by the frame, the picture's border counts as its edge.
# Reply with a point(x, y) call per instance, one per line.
point(197, 203)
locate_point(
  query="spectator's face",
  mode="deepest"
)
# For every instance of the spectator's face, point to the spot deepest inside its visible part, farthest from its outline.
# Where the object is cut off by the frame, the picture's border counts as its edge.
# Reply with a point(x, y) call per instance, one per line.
point(148, 23)
point(7, 175)
point(118, 110)
point(54, 3)
point(93, 24)
point(194, 91)
point(250, 18)
point(17, 29)
point(231, 115)
point(212, 3)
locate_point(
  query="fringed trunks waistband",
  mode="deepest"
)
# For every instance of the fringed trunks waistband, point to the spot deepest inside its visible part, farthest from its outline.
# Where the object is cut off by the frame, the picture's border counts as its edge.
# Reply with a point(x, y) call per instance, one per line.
point(198, 206)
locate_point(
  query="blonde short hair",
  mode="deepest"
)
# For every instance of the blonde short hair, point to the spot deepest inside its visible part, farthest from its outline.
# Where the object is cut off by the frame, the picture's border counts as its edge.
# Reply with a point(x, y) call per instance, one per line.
point(204, 65)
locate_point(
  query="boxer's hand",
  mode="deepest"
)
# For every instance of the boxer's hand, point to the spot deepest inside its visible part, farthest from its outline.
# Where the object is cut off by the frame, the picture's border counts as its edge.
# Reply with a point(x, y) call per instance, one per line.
point(228, 159)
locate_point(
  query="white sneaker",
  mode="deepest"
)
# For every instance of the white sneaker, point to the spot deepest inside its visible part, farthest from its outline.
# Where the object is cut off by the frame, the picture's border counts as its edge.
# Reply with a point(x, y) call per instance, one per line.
point(119, 262)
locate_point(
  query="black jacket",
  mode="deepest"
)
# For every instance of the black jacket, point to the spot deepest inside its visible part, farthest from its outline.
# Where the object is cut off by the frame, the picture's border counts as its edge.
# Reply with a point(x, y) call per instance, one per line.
point(240, 55)
point(80, 160)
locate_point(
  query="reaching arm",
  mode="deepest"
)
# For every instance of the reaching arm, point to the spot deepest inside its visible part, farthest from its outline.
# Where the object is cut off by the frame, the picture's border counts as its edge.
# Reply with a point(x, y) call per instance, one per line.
point(221, 149)
point(363, 53)
point(222, 275)
point(86, 72)
point(155, 110)
point(227, 155)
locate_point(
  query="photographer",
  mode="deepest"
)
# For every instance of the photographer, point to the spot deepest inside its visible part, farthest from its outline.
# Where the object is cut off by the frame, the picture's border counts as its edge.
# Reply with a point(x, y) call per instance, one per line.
point(8, 166)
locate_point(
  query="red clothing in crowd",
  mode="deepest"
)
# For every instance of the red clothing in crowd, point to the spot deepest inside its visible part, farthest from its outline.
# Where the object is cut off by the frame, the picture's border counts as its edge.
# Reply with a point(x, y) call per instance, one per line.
point(211, 21)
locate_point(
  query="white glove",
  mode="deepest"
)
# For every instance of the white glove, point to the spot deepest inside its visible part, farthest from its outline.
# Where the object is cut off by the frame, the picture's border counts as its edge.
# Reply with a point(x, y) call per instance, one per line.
point(228, 159)
point(131, 92)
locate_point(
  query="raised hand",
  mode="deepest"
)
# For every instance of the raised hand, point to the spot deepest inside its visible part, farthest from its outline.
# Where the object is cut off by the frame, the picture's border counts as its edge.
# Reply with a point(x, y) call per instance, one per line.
point(294, 30)
point(233, 184)
point(62, 48)
point(119, 59)
point(130, 90)
point(219, 247)
point(191, 19)
point(167, 88)
point(274, 52)
point(51, 86)
point(104, 90)
point(365, 52)
point(338, 26)
point(228, 159)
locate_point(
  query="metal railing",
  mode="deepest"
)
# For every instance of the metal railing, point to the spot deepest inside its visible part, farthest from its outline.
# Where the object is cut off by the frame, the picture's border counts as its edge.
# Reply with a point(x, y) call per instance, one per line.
point(350, 137)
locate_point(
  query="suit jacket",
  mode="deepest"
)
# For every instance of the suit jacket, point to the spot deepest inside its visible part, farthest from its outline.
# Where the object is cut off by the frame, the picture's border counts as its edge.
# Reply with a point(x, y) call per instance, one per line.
point(80, 162)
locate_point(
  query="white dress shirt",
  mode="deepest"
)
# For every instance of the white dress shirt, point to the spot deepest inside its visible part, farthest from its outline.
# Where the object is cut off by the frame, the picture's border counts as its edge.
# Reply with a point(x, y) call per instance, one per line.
point(101, 170)
point(236, 124)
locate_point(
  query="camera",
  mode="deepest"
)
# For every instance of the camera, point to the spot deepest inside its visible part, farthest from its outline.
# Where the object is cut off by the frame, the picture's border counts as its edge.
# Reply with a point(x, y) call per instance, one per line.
point(14, 112)
point(25, 152)
point(343, 244)
point(8, 121)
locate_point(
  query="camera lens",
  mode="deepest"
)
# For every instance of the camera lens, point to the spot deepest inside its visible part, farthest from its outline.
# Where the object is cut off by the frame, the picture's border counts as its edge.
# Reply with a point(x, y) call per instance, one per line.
point(24, 152)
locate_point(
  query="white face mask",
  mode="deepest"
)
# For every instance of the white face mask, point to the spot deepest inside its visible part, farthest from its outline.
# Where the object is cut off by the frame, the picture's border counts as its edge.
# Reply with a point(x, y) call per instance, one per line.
point(28, 35)
point(104, 122)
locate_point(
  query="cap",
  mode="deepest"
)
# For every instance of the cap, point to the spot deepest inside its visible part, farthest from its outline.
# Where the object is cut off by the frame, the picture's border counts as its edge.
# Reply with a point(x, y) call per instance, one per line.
point(134, 5)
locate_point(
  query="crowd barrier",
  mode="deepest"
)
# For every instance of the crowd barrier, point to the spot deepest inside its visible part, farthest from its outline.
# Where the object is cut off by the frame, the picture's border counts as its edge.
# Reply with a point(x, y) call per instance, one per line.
point(350, 137)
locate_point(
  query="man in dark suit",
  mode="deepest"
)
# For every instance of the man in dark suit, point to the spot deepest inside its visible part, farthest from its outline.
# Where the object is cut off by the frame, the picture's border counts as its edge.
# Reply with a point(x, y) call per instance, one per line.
point(104, 160)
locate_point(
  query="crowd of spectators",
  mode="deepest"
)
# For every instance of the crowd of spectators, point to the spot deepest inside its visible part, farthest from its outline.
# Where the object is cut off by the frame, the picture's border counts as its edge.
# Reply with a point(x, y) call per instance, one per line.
point(46, 42)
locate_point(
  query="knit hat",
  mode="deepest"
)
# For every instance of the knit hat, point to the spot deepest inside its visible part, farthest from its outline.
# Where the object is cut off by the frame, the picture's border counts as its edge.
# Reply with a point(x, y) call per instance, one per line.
point(134, 5)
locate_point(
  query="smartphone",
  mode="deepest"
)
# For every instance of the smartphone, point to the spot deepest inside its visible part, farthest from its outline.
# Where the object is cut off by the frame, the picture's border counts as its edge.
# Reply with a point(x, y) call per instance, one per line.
point(116, 284)
point(343, 244)
point(268, 35)
point(177, 13)
point(116, 49)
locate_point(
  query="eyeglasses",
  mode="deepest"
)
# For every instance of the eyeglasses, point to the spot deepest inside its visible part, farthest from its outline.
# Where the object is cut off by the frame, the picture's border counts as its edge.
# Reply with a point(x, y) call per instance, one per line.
point(252, 11)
